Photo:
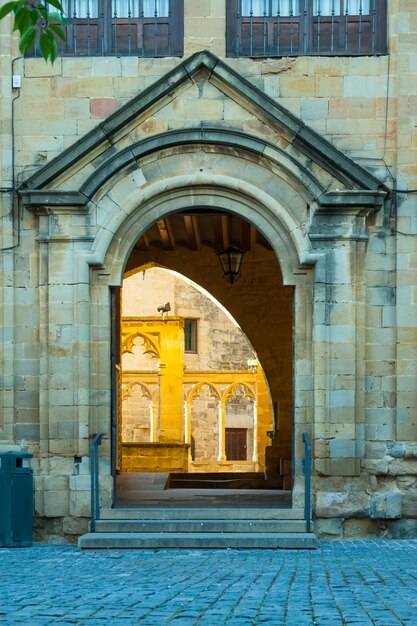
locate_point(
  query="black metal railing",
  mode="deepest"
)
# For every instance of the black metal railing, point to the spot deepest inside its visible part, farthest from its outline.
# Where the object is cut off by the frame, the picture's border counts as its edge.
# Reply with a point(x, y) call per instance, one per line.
point(307, 481)
point(142, 28)
point(95, 487)
point(262, 28)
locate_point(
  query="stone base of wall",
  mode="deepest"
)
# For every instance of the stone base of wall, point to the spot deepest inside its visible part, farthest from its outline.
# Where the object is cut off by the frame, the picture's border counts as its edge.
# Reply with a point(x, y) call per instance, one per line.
point(350, 529)
point(58, 530)
point(380, 502)
point(155, 457)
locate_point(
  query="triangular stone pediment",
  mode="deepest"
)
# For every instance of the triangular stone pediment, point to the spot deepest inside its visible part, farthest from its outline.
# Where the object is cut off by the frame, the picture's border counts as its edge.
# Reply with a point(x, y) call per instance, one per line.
point(203, 100)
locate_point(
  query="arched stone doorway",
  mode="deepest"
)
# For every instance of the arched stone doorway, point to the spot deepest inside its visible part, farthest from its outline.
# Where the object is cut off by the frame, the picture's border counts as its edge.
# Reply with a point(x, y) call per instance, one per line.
point(260, 304)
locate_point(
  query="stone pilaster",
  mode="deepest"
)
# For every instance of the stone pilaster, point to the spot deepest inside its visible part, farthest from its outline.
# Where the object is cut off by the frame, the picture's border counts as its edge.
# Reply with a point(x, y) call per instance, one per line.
point(339, 339)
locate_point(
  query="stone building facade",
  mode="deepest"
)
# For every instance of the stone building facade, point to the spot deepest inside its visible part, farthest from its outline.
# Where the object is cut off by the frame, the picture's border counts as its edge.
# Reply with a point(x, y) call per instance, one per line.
point(304, 156)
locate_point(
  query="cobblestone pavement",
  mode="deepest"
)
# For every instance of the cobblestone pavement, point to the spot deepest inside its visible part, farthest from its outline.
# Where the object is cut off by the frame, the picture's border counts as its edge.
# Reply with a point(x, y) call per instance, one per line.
point(361, 582)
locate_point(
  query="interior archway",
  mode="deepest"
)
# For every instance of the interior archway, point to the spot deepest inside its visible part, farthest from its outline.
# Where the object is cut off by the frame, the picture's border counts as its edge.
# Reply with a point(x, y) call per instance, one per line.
point(187, 242)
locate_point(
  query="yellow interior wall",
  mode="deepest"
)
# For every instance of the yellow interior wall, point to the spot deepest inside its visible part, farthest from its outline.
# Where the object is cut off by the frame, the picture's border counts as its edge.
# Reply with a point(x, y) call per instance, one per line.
point(164, 339)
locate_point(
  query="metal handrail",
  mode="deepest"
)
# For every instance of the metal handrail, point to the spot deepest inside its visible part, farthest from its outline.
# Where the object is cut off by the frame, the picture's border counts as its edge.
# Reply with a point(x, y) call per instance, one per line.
point(307, 481)
point(95, 493)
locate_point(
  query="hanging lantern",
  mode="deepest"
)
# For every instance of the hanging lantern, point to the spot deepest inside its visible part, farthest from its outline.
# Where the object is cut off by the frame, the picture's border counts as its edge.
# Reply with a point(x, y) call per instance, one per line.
point(231, 261)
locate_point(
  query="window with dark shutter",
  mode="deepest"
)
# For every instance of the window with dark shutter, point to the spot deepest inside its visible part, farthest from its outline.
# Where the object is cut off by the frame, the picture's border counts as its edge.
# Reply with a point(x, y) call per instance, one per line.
point(268, 28)
point(190, 335)
point(143, 28)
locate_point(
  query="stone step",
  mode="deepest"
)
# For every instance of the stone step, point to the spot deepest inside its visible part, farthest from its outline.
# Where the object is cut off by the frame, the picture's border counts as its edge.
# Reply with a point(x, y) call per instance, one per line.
point(200, 526)
point(220, 480)
point(200, 541)
point(214, 475)
point(223, 483)
point(185, 513)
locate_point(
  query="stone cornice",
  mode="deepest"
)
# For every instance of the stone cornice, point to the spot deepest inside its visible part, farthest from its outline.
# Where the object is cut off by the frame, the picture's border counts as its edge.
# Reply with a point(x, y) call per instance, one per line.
point(47, 200)
point(103, 137)
point(41, 199)
point(346, 200)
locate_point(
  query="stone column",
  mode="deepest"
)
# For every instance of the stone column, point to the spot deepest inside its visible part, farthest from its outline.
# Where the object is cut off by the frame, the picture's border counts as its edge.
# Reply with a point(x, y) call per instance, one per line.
point(187, 437)
point(255, 432)
point(222, 431)
point(339, 339)
point(72, 392)
point(171, 419)
point(151, 422)
point(64, 334)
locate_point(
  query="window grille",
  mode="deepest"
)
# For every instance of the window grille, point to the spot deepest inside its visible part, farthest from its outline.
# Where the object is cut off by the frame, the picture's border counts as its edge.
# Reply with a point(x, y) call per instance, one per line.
point(264, 28)
point(143, 28)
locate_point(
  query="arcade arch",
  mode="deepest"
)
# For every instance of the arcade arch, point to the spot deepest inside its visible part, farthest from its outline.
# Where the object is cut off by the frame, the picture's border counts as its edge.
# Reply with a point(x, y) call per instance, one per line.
point(259, 301)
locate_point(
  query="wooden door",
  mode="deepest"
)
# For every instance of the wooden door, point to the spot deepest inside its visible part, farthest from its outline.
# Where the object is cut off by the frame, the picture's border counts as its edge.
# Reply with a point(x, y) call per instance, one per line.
point(236, 444)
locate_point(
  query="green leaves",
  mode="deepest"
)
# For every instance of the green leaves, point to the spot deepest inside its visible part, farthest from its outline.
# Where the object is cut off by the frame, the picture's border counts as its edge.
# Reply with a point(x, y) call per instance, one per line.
point(56, 4)
point(6, 9)
point(34, 21)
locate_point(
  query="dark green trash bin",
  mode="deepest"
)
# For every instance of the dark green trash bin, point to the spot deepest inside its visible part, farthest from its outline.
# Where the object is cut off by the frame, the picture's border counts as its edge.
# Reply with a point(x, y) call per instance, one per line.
point(16, 500)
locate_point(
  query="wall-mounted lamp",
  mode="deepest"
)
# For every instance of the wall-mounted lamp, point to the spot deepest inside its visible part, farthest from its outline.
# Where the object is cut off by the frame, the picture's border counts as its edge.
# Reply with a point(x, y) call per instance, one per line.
point(231, 261)
point(163, 309)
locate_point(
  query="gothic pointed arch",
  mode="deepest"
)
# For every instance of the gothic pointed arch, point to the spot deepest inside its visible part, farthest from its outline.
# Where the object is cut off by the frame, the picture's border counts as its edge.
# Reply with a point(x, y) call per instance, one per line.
point(196, 390)
point(232, 389)
point(129, 388)
point(150, 343)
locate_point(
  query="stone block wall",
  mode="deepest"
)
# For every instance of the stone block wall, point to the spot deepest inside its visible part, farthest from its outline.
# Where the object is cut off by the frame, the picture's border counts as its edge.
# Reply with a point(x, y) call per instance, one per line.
point(205, 428)
point(366, 107)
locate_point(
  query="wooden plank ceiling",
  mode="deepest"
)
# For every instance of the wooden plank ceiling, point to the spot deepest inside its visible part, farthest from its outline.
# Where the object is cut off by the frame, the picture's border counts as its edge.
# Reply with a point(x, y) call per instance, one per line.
point(194, 229)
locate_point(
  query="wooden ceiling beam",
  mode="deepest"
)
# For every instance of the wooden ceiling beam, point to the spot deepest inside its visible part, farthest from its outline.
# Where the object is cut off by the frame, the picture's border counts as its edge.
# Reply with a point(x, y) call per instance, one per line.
point(165, 234)
point(225, 231)
point(191, 227)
